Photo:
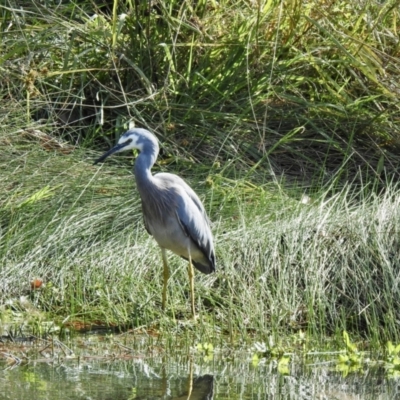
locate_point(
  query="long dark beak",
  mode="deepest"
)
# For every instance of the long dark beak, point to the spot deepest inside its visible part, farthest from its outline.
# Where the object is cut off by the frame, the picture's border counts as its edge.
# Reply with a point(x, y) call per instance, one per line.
point(115, 149)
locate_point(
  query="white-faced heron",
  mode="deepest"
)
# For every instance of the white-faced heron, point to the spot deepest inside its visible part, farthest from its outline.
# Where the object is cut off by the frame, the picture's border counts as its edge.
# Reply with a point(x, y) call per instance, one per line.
point(173, 213)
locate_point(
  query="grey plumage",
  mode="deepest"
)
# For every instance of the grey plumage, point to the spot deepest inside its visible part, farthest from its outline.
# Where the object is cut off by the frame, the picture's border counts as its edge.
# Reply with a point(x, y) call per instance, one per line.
point(173, 213)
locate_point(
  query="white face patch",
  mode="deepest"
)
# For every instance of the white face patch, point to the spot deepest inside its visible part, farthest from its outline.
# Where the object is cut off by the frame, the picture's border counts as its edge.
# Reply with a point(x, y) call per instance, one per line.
point(133, 144)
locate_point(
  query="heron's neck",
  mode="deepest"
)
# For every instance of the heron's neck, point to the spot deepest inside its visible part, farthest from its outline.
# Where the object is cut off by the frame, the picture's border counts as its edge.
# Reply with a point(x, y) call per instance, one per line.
point(143, 165)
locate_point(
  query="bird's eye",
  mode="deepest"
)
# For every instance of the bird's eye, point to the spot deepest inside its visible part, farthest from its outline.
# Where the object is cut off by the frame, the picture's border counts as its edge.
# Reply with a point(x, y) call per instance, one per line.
point(129, 141)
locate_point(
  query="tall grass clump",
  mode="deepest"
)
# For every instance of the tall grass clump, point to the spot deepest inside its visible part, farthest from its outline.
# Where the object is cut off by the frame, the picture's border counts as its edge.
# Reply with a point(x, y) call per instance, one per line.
point(305, 89)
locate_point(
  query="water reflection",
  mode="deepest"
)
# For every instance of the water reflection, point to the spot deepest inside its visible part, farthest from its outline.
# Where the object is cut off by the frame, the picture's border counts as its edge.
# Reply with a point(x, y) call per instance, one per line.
point(191, 388)
point(203, 388)
point(193, 377)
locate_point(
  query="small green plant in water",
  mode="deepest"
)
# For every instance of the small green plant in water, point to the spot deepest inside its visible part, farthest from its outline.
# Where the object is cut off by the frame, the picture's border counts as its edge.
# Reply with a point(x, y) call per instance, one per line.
point(262, 351)
point(351, 360)
point(207, 349)
point(283, 365)
point(393, 360)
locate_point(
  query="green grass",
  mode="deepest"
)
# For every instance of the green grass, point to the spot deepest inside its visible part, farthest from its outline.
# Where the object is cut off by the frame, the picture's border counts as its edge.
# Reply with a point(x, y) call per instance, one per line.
point(256, 104)
point(284, 265)
point(307, 89)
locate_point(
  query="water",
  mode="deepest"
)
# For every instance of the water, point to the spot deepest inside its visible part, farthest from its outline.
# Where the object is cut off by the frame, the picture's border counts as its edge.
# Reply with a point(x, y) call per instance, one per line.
point(121, 372)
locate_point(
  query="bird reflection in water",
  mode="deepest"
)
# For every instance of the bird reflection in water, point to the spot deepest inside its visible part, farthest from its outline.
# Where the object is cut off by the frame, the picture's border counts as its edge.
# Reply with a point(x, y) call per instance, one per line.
point(197, 388)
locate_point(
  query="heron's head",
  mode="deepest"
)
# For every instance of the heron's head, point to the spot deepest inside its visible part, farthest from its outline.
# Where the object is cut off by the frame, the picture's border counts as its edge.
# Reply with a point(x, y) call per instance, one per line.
point(137, 138)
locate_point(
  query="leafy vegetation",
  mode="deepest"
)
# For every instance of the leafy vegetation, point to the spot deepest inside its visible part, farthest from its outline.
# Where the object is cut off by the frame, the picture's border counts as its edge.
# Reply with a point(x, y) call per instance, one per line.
point(302, 89)
point(282, 115)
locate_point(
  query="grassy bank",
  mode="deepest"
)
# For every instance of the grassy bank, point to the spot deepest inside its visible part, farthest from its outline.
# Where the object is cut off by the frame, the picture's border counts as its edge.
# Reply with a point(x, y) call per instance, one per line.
point(285, 263)
point(256, 104)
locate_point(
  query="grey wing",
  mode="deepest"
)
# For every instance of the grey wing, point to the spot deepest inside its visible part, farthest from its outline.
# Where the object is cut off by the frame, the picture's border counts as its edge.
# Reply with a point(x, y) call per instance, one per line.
point(193, 196)
point(176, 180)
point(193, 218)
point(146, 225)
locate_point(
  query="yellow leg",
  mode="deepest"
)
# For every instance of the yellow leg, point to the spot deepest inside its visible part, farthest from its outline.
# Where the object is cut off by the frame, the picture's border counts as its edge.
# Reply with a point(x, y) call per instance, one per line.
point(166, 277)
point(191, 283)
point(190, 380)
